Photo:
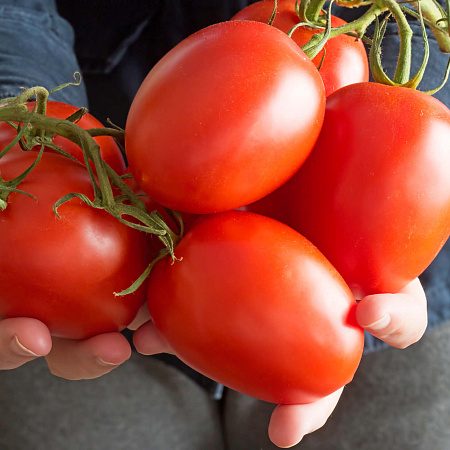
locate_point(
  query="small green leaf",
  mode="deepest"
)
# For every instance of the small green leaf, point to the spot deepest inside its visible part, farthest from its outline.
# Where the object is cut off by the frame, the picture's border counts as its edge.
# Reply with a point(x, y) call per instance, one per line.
point(77, 115)
point(9, 190)
point(16, 139)
point(446, 75)
point(417, 78)
point(69, 197)
point(135, 286)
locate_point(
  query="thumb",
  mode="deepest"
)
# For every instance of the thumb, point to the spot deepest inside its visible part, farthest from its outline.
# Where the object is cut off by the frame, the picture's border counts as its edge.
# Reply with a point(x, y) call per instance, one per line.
point(398, 319)
point(22, 340)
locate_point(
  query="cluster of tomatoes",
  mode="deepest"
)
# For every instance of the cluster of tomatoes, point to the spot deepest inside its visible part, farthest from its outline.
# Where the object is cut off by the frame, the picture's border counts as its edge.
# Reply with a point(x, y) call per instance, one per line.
point(301, 188)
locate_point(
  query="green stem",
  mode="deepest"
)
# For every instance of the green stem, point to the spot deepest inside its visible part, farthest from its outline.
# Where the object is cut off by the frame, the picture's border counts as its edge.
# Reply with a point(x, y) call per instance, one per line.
point(14, 112)
point(39, 92)
point(447, 3)
point(434, 14)
point(358, 26)
point(41, 95)
point(161, 255)
point(113, 132)
point(274, 13)
point(310, 10)
point(403, 69)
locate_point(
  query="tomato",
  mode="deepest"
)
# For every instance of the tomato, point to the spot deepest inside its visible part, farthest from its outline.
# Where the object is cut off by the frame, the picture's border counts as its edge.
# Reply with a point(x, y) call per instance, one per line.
point(65, 271)
point(109, 150)
point(257, 307)
point(374, 196)
point(345, 59)
point(224, 118)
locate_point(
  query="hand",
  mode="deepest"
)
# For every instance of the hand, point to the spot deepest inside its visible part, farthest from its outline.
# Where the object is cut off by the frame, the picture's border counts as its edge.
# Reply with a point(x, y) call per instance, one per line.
point(398, 319)
point(289, 423)
point(23, 340)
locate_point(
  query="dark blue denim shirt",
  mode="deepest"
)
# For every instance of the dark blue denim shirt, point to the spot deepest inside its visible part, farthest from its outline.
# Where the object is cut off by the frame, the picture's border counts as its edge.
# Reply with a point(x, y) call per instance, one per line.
point(114, 43)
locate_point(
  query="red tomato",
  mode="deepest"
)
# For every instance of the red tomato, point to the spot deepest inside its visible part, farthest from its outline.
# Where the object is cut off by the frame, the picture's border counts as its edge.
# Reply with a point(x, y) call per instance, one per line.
point(65, 271)
point(345, 60)
point(257, 307)
point(224, 118)
point(374, 196)
point(108, 148)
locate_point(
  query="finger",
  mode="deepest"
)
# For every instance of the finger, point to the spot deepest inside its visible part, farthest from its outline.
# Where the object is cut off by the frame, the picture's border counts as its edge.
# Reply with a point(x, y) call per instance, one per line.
point(398, 319)
point(142, 316)
point(87, 359)
point(149, 341)
point(22, 340)
point(289, 423)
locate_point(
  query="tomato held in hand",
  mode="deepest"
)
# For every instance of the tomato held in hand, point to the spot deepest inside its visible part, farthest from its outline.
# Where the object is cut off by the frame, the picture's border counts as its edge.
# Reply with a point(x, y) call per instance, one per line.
point(374, 196)
point(345, 59)
point(255, 306)
point(65, 271)
point(109, 150)
point(224, 118)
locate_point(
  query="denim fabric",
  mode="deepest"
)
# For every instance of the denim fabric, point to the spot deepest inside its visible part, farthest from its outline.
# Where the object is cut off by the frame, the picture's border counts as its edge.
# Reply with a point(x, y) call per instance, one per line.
point(36, 48)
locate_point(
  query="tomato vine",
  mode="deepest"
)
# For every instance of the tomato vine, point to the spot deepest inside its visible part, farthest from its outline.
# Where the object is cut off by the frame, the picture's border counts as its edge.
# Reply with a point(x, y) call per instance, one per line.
point(35, 128)
point(429, 12)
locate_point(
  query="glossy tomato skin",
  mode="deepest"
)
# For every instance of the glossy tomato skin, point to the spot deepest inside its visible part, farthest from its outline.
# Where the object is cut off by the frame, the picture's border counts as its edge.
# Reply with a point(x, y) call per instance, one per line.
point(257, 307)
point(345, 59)
point(374, 196)
point(109, 150)
point(224, 118)
point(65, 271)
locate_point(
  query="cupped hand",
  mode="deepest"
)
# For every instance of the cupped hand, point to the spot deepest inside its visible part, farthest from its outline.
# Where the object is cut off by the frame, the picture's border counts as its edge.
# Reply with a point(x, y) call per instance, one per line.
point(398, 319)
point(23, 340)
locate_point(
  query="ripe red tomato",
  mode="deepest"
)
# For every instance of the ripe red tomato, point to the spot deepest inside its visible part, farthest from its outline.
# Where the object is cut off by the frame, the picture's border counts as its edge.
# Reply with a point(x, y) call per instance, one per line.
point(65, 271)
point(257, 307)
point(345, 60)
point(224, 118)
point(108, 148)
point(374, 196)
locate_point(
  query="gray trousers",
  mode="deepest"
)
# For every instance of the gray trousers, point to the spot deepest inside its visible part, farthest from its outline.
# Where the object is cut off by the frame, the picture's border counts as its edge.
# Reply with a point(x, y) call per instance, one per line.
point(399, 400)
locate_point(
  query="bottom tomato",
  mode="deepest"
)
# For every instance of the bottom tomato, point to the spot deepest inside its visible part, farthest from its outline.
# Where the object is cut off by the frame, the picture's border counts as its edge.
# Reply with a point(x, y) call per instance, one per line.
point(256, 307)
point(65, 271)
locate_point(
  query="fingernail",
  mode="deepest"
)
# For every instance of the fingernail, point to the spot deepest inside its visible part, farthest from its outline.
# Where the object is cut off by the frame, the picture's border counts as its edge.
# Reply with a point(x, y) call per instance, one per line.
point(20, 349)
point(379, 324)
point(102, 362)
